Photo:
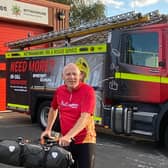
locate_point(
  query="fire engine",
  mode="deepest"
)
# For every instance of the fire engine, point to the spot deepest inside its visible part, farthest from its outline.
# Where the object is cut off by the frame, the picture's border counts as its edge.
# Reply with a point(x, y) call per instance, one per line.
point(129, 73)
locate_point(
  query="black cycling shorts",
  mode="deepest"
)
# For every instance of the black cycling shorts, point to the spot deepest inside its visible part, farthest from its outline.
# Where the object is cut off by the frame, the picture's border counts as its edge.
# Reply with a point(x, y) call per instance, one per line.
point(83, 154)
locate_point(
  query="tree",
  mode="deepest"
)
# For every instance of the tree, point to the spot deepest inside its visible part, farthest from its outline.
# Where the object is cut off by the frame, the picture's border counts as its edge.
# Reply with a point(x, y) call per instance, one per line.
point(83, 11)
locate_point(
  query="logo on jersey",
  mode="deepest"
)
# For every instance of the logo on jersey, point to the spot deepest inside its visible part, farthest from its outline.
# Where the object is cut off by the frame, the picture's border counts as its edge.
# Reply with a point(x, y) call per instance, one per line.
point(67, 104)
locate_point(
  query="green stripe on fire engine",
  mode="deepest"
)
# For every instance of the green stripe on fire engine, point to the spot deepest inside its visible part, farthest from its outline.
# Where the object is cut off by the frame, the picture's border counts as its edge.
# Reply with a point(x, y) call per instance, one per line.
point(138, 77)
point(99, 48)
point(18, 106)
point(98, 120)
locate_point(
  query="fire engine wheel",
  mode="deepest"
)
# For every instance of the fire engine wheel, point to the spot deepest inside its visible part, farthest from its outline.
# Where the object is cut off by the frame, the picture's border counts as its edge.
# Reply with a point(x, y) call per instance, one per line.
point(43, 114)
point(166, 137)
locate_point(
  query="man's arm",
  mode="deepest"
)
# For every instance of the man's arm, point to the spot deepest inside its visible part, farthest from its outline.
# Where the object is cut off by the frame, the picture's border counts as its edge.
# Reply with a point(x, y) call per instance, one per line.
point(52, 115)
point(80, 124)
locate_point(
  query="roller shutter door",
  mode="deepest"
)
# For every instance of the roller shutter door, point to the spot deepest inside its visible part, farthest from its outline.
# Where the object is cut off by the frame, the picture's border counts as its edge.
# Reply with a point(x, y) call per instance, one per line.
point(10, 32)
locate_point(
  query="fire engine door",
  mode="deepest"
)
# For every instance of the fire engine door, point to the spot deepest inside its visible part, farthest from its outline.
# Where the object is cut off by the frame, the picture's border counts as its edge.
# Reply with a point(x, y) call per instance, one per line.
point(138, 74)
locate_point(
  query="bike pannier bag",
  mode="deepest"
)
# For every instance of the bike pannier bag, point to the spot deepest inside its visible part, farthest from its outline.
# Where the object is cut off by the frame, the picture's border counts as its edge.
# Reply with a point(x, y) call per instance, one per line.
point(11, 152)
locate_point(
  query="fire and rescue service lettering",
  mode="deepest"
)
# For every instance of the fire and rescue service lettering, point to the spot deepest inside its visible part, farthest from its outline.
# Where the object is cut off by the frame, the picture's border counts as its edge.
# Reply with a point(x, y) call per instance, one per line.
point(35, 66)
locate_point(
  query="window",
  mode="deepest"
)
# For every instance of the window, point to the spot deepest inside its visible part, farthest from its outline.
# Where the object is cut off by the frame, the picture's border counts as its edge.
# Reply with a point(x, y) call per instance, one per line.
point(140, 49)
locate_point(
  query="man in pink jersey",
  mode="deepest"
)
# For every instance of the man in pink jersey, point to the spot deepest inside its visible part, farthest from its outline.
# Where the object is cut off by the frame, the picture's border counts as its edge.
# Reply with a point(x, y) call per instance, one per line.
point(75, 102)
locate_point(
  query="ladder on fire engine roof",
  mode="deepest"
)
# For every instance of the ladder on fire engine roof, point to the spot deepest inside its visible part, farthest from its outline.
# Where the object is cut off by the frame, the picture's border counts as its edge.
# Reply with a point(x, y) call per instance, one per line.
point(114, 22)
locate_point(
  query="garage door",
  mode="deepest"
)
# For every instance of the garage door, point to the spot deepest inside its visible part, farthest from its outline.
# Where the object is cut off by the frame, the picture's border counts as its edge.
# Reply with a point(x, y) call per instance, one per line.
point(11, 32)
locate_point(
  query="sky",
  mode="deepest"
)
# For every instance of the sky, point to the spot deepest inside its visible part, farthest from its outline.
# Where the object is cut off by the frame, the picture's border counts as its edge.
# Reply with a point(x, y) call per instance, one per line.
point(115, 7)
